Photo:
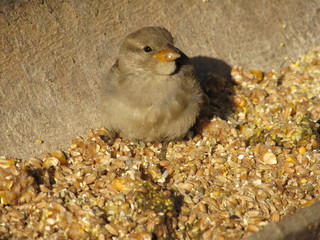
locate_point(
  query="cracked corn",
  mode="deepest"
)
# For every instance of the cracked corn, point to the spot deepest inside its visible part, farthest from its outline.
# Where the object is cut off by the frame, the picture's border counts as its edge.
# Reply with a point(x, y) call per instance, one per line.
point(258, 164)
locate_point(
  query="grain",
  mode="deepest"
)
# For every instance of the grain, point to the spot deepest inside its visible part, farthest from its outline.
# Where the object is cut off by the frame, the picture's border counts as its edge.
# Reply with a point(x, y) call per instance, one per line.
point(227, 182)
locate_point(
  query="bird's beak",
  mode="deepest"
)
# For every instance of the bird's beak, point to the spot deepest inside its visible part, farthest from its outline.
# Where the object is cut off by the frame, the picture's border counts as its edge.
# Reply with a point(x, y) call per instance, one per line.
point(167, 54)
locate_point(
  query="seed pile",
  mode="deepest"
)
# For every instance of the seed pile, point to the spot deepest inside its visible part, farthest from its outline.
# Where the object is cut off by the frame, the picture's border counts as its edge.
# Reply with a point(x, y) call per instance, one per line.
point(258, 164)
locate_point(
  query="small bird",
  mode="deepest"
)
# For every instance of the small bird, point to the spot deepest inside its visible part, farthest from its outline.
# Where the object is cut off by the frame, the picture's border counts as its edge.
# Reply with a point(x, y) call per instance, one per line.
point(151, 92)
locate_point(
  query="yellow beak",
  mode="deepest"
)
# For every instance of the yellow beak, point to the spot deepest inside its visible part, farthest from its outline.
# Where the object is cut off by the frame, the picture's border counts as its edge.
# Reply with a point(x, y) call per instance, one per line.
point(167, 54)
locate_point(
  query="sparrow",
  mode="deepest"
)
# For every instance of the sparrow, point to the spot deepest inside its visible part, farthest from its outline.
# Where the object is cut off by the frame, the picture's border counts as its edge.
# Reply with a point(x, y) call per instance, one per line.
point(151, 92)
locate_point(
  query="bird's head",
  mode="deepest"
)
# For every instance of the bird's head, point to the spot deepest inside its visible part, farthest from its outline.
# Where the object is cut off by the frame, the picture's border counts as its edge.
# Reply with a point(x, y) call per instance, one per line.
point(149, 49)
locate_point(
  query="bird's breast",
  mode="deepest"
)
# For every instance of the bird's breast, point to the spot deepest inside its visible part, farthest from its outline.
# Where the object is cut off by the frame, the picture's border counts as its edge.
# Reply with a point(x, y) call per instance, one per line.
point(155, 97)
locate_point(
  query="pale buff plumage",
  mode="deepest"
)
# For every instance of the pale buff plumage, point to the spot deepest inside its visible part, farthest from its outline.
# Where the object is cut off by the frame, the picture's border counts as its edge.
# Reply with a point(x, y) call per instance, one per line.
point(151, 91)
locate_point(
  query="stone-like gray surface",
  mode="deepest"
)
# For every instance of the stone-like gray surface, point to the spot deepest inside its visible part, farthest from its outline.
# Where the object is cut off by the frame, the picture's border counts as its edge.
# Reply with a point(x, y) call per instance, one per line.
point(303, 225)
point(53, 54)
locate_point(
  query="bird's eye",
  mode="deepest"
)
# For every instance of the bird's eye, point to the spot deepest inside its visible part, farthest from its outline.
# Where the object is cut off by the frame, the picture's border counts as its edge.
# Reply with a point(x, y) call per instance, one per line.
point(147, 49)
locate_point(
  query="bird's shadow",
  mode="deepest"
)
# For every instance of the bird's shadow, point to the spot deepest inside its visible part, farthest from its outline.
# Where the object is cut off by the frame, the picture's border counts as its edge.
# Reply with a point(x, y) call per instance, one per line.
point(215, 78)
